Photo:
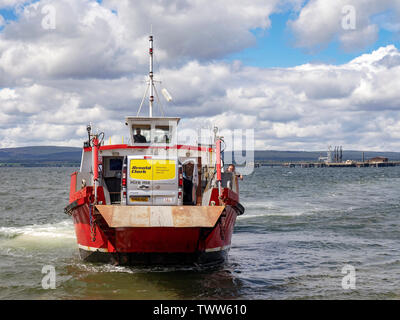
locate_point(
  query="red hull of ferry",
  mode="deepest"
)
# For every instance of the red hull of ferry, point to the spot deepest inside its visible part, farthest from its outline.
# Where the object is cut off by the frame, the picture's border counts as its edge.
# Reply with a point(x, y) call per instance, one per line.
point(149, 245)
point(153, 245)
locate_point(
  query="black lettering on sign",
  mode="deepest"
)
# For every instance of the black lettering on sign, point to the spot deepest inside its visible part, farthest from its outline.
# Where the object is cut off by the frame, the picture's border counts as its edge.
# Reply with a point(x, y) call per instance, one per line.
point(136, 169)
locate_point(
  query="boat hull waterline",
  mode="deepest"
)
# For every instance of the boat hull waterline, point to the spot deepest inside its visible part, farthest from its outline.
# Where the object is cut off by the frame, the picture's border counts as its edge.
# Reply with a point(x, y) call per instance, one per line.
point(153, 245)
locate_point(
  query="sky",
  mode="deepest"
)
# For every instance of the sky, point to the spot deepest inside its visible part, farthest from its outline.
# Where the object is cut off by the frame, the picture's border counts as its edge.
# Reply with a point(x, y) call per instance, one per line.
point(302, 74)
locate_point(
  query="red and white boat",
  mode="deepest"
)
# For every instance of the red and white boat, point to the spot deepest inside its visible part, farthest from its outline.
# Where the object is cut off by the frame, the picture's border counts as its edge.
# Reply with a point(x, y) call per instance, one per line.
point(152, 200)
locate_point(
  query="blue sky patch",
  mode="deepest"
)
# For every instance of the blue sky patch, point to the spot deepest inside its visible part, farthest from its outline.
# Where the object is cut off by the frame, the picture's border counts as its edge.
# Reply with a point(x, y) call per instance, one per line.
point(275, 48)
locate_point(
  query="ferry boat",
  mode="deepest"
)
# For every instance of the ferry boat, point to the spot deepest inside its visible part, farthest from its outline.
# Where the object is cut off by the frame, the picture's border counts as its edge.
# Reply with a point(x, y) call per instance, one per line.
point(153, 201)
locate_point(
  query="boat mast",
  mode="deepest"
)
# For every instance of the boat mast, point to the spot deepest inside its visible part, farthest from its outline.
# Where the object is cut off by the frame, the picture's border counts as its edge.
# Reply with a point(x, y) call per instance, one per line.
point(151, 81)
point(151, 86)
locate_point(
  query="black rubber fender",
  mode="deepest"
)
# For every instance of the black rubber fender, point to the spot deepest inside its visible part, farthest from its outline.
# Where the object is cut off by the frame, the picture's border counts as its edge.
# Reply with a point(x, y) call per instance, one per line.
point(239, 209)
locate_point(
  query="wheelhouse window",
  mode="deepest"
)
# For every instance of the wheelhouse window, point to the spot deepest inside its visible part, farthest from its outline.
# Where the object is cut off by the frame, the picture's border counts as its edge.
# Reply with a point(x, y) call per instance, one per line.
point(115, 164)
point(141, 133)
point(146, 131)
point(162, 134)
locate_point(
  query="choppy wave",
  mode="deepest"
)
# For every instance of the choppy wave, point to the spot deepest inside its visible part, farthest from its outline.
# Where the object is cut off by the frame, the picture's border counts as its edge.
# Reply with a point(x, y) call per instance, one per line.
point(93, 268)
point(109, 268)
point(269, 208)
point(60, 230)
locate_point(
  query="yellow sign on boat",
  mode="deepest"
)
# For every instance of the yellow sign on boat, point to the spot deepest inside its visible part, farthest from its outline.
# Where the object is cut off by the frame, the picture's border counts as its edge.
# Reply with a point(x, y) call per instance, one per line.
point(152, 169)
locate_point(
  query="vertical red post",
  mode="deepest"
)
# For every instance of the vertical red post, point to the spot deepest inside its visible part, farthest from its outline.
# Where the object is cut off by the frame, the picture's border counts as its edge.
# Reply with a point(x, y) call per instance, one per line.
point(72, 188)
point(95, 158)
point(218, 158)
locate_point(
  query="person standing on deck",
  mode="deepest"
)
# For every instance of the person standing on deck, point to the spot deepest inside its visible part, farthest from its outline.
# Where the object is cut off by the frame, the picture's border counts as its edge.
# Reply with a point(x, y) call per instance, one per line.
point(231, 168)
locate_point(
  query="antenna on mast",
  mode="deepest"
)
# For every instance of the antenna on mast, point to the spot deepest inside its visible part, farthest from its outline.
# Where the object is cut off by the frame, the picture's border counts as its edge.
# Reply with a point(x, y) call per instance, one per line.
point(151, 87)
point(151, 80)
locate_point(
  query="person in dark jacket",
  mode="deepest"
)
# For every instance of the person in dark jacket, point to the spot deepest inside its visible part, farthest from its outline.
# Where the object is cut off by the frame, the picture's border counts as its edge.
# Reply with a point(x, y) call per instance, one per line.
point(138, 138)
point(188, 183)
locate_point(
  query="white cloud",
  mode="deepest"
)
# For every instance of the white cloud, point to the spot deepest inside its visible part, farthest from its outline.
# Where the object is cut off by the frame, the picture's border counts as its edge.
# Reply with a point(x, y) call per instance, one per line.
point(11, 3)
point(90, 40)
point(196, 28)
point(319, 22)
point(92, 67)
point(306, 107)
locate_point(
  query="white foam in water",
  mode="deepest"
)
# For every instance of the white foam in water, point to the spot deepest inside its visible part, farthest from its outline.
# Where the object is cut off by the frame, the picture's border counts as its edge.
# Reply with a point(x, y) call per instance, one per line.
point(108, 268)
point(268, 214)
point(60, 230)
point(261, 205)
point(103, 268)
point(264, 209)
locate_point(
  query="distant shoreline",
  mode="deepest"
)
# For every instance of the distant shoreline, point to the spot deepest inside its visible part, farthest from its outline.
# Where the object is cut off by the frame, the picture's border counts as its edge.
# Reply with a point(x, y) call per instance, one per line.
point(53, 156)
point(40, 156)
point(37, 165)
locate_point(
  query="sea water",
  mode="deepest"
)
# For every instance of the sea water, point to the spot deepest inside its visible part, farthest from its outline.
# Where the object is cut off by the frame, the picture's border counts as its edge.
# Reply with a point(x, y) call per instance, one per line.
point(301, 230)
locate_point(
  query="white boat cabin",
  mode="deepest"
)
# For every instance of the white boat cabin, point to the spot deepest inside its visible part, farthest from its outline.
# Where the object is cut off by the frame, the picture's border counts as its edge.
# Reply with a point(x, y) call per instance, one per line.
point(179, 174)
point(154, 131)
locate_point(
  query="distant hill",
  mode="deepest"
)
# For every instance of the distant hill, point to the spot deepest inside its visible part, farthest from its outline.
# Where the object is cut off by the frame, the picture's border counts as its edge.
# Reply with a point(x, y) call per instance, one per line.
point(40, 156)
point(70, 156)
